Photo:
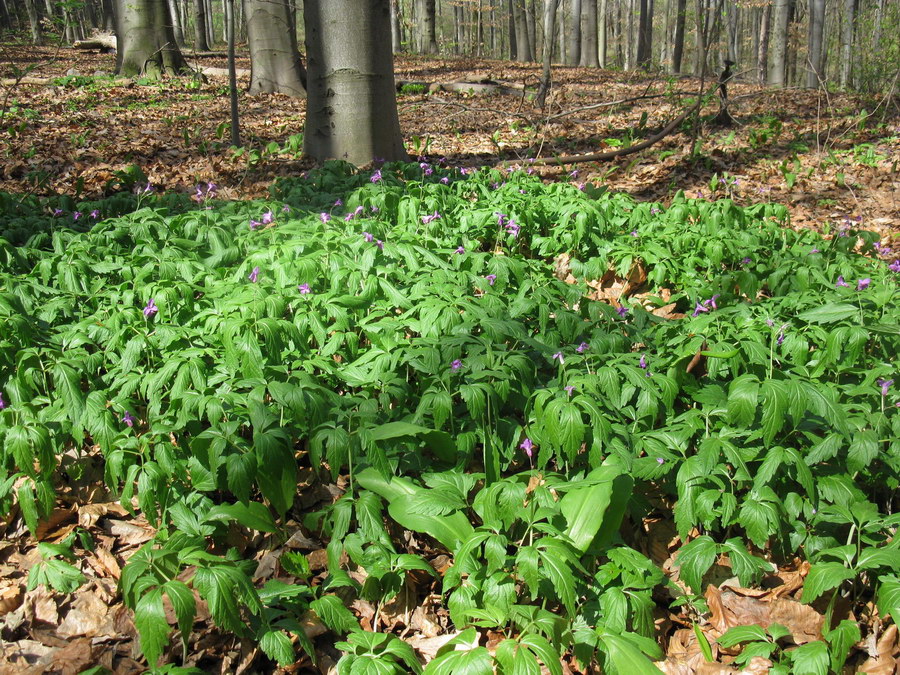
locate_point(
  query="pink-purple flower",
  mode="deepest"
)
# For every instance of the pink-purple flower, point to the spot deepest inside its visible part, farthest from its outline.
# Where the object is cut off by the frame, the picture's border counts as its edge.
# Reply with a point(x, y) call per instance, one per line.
point(128, 419)
point(268, 217)
point(379, 244)
point(885, 385)
point(558, 356)
point(254, 275)
point(841, 283)
point(455, 365)
point(863, 284)
point(368, 236)
point(376, 176)
point(583, 347)
point(2, 402)
point(528, 446)
point(643, 362)
point(430, 218)
point(622, 311)
point(894, 266)
point(512, 228)
point(324, 217)
point(460, 249)
point(491, 278)
point(304, 289)
point(569, 389)
point(95, 214)
point(150, 309)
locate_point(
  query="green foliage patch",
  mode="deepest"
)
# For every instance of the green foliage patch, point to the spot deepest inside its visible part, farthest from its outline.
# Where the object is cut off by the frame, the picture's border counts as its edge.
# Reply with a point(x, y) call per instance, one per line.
point(406, 328)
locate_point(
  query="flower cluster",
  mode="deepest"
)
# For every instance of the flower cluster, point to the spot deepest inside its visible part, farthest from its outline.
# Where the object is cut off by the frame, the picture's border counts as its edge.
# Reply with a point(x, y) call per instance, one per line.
point(705, 305)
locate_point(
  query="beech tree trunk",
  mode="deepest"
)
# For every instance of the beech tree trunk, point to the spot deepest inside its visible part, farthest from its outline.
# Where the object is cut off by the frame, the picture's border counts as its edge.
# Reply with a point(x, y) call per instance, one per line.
point(678, 42)
point(532, 30)
point(601, 35)
point(200, 42)
point(396, 32)
point(352, 105)
point(847, 25)
point(177, 29)
point(573, 53)
point(762, 54)
point(778, 62)
point(589, 34)
point(34, 20)
point(427, 33)
point(814, 72)
point(549, 32)
point(645, 34)
point(146, 42)
point(275, 64)
point(523, 52)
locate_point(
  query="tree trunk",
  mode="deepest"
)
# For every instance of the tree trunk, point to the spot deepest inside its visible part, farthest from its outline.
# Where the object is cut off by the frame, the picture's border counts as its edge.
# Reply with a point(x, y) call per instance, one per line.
point(532, 30)
point(177, 29)
point(678, 42)
point(549, 32)
point(513, 47)
point(146, 42)
point(275, 64)
point(601, 36)
point(777, 70)
point(521, 24)
point(396, 33)
point(352, 104)
point(589, 34)
point(232, 74)
point(427, 33)
point(210, 33)
point(762, 54)
point(109, 16)
point(814, 73)
point(645, 34)
point(34, 19)
point(848, 21)
point(574, 51)
point(200, 43)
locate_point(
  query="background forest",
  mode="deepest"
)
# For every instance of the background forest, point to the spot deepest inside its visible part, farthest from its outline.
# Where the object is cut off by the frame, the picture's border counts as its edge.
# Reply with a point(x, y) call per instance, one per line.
point(584, 362)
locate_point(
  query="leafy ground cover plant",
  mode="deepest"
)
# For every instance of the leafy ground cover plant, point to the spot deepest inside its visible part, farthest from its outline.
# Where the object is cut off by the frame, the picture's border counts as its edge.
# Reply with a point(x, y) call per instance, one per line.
point(406, 330)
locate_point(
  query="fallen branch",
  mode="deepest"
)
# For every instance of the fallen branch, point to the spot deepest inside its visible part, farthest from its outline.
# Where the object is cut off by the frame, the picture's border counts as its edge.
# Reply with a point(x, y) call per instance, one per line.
point(621, 152)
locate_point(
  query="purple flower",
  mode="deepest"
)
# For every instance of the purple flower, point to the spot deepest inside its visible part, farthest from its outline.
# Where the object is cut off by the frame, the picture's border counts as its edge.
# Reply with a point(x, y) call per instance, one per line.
point(348, 217)
point(841, 282)
point(430, 218)
point(150, 309)
point(358, 210)
point(426, 168)
point(379, 244)
point(712, 301)
point(512, 228)
point(699, 308)
point(57, 212)
point(254, 224)
point(573, 173)
point(660, 461)
point(491, 278)
point(254, 275)
point(368, 236)
point(643, 362)
point(655, 210)
point(863, 284)
point(894, 266)
point(2, 402)
point(622, 311)
point(527, 446)
point(95, 214)
point(885, 385)
point(286, 209)
point(770, 322)
point(455, 365)
point(569, 389)
point(746, 260)
point(304, 289)
point(338, 202)
point(373, 209)
point(128, 419)
point(583, 347)
point(324, 217)
point(268, 217)
point(460, 249)
point(76, 215)
point(558, 355)
point(634, 233)
point(780, 339)
point(445, 180)
point(376, 176)
point(815, 250)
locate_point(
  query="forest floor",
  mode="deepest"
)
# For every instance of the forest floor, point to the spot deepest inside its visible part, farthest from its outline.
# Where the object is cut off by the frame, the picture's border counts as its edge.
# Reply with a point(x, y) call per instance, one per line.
point(827, 157)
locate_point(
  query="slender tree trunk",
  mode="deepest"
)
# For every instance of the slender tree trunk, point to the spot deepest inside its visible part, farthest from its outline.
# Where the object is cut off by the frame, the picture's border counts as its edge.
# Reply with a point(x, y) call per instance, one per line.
point(521, 24)
point(762, 55)
point(645, 34)
point(601, 37)
point(678, 44)
point(146, 42)
point(550, 7)
point(427, 32)
point(700, 54)
point(531, 28)
point(513, 47)
point(574, 51)
point(848, 21)
point(274, 59)
point(200, 43)
point(210, 33)
point(778, 63)
point(589, 34)
point(232, 74)
point(814, 72)
point(352, 104)
point(396, 35)
point(561, 33)
point(34, 20)
point(177, 29)
point(732, 30)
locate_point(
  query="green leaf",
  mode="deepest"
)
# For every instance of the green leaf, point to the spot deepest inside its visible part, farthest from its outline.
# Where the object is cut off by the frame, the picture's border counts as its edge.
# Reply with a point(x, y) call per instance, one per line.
point(749, 569)
point(828, 313)
point(475, 661)
point(889, 597)
point(625, 656)
point(863, 449)
point(185, 607)
point(555, 567)
point(277, 646)
point(253, 515)
point(774, 406)
point(334, 614)
point(841, 639)
point(705, 647)
point(542, 647)
point(823, 576)
point(810, 659)
point(694, 559)
point(225, 587)
point(739, 634)
point(594, 513)
point(150, 621)
point(742, 400)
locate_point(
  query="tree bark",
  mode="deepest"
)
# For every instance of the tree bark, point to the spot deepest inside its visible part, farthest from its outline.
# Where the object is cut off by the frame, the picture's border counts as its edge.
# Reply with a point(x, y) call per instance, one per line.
point(521, 28)
point(427, 34)
point(573, 55)
point(589, 34)
point(678, 43)
point(352, 104)
point(848, 21)
point(531, 28)
point(232, 74)
point(778, 63)
point(814, 73)
point(109, 16)
point(34, 20)
point(645, 34)
point(200, 43)
point(601, 35)
point(177, 29)
point(549, 32)
point(396, 32)
point(275, 64)
point(146, 42)
point(762, 53)
point(210, 33)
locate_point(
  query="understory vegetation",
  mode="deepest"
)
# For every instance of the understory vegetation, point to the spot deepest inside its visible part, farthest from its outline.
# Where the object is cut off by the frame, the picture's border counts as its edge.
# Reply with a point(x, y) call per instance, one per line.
point(500, 379)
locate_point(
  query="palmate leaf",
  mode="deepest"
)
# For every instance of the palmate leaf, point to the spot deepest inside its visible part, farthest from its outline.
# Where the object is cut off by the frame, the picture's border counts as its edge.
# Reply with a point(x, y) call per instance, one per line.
point(225, 589)
point(743, 395)
point(624, 656)
point(822, 577)
point(153, 629)
point(334, 614)
point(694, 559)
